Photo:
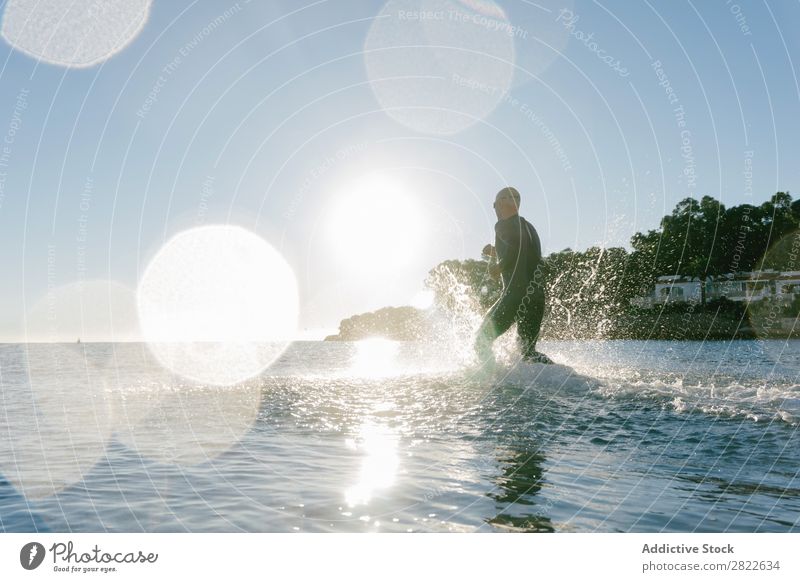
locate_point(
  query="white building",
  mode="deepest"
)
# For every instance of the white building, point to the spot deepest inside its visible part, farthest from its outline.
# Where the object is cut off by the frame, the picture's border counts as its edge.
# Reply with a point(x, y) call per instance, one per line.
point(673, 289)
point(744, 286)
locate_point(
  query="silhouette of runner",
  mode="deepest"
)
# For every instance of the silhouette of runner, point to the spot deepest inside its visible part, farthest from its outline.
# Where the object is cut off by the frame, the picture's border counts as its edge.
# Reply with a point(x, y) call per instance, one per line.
point(519, 256)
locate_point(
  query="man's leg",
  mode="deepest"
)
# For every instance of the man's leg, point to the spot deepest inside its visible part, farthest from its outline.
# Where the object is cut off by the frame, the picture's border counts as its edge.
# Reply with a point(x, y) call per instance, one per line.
point(529, 322)
point(496, 322)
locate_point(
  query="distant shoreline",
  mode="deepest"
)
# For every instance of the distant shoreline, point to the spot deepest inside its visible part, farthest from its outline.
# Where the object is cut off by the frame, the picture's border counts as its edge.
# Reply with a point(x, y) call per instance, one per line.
point(678, 323)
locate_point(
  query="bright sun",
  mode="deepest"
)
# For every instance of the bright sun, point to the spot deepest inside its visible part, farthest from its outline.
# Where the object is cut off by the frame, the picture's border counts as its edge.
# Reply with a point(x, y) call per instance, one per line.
point(375, 224)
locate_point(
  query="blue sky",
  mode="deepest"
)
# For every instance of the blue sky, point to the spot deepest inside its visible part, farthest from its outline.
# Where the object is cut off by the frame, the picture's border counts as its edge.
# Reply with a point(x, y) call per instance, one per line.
point(269, 115)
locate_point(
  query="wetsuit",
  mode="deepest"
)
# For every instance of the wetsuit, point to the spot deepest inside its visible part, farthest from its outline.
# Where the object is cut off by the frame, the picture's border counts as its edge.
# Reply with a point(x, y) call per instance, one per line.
point(519, 255)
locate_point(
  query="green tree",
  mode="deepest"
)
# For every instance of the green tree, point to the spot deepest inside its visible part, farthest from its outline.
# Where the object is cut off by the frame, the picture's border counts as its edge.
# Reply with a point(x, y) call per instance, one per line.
point(689, 241)
point(742, 239)
point(779, 232)
point(643, 263)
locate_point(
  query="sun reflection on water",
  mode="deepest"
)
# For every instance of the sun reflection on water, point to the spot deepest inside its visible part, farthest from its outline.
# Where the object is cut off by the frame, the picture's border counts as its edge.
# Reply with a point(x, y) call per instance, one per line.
point(375, 358)
point(380, 463)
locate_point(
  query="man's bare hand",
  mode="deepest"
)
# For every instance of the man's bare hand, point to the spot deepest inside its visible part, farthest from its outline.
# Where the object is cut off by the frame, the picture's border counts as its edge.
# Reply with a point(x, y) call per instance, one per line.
point(488, 251)
point(494, 271)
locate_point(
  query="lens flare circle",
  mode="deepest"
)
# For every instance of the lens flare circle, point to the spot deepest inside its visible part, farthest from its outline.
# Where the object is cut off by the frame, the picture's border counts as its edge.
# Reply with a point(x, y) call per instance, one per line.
point(55, 427)
point(185, 425)
point(73, 33)
point(217, 304)
point(439, 66)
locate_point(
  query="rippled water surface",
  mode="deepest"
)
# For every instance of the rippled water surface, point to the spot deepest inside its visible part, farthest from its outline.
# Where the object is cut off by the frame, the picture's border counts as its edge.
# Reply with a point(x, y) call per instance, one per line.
point(375, 436)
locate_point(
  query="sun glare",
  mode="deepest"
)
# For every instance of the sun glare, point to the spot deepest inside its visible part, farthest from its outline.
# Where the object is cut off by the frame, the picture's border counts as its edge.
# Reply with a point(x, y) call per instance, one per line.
point(375, 224)
point(424, 299)
point(379, 466)
point(375, 357)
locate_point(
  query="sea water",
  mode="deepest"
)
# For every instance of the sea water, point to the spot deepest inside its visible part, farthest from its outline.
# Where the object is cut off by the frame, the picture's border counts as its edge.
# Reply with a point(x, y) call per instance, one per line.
point(382, 436)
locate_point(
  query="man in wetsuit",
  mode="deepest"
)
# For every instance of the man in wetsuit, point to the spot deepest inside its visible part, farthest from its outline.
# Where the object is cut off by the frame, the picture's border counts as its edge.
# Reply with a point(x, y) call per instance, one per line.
point(519, 256)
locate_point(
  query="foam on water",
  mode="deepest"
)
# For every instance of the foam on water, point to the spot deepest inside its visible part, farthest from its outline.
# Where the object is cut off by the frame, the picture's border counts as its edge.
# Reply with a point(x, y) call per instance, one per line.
point(757, 403)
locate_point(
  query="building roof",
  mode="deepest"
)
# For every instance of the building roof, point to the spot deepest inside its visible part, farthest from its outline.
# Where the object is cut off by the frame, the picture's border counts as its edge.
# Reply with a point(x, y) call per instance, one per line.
point(753, 276)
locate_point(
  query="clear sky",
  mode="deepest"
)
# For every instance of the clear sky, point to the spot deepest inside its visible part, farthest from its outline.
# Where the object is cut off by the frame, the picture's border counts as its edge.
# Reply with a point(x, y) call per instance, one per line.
point(279, 116)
